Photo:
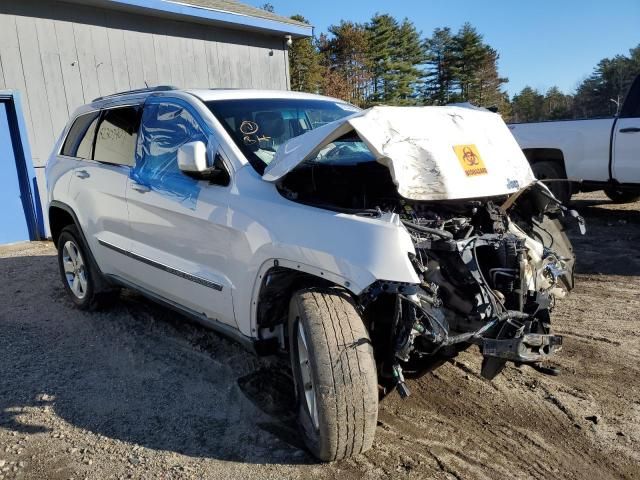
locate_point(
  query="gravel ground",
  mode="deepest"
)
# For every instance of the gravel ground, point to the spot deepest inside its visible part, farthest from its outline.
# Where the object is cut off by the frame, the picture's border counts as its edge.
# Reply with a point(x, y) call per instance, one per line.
point(139, 392)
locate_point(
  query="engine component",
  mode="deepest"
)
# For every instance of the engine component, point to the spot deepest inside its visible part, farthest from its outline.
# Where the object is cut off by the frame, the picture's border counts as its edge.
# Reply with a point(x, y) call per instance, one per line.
point(484, 281)
point(401, 386)
point(530, 348)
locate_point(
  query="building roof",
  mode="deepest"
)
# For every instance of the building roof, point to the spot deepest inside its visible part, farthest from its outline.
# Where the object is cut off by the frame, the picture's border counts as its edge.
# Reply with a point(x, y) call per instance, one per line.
point(225, 13)
point(240, 8)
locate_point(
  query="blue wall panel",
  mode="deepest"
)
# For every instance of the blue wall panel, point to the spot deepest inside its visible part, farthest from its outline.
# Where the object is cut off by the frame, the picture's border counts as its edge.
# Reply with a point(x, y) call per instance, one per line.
point(13, 221)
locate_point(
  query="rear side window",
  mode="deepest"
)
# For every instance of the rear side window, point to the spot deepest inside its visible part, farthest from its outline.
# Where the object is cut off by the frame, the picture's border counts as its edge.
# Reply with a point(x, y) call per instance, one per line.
point(79, 141)
point(117, 135)
point(85, 148)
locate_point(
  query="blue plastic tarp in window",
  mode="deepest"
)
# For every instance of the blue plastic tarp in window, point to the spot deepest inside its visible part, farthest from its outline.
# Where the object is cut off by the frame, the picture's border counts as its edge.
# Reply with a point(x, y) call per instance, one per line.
point(164, 129)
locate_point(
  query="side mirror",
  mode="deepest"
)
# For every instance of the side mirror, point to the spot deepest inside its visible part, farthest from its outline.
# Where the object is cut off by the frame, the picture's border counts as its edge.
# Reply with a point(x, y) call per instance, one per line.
point(193, 160)
point(192, 157)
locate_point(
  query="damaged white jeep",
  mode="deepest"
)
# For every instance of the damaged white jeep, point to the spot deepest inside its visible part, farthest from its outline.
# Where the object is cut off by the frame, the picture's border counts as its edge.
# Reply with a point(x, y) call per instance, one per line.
point(368, 244)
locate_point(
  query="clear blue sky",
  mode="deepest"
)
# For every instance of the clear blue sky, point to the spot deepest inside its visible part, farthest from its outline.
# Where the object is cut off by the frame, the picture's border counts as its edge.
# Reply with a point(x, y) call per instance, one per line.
point(541, 42)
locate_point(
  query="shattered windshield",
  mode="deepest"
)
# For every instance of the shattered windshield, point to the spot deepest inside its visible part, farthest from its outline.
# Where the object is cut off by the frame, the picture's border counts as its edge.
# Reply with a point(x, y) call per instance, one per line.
point(260, 126)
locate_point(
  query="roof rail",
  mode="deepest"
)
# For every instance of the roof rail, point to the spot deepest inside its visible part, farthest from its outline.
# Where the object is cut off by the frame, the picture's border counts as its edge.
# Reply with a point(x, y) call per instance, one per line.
point(159, 88)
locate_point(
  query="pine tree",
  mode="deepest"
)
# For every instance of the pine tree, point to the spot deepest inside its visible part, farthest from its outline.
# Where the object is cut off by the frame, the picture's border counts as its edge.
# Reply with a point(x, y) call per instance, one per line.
point(557, 105)
point(470, 55)
point(346, 53)
point(409, 52)
point(440, 60)
point(305, 69)
point(462, 68)
point(395, 50)
point(381, 31)
point(485, 89)
point(505, 107)
point(528, 105)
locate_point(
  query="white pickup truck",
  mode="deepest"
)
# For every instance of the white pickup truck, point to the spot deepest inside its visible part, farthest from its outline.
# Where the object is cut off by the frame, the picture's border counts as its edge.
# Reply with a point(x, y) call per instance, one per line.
point(595, 154)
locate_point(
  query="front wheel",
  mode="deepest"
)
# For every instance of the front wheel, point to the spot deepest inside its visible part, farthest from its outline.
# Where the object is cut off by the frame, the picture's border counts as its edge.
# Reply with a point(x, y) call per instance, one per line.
point(334, 374)
point(617, 195)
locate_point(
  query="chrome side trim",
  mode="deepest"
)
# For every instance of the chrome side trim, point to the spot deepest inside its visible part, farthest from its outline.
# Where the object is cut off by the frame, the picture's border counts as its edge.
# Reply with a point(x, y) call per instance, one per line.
point(187, 276)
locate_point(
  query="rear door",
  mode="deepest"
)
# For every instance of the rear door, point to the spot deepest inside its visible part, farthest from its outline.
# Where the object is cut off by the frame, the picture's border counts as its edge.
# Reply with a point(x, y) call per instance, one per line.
point(180, 239)
point(626, 139)
point(98, 186)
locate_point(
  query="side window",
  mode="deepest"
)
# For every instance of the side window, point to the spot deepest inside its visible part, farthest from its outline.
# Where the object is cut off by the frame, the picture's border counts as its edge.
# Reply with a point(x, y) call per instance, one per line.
point(631, 106)
point(79, 141)
point(85, 148)
point(165, 127)
point(117, 135)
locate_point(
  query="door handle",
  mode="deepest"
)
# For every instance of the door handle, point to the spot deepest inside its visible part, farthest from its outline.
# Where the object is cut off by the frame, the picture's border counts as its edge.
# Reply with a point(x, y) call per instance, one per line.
point(630, 130)
point(82, 174)
point(138, 187)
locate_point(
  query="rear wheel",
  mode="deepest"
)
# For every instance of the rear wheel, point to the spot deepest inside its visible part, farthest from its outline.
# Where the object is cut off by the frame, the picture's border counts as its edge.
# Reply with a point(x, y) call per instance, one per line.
point(334, 372)
point(622, 196)
point(80, 275)
point(549, 170)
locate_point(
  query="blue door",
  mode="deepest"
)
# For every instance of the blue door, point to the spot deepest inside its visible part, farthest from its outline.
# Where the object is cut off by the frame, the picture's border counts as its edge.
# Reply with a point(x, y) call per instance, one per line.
point(13, 219)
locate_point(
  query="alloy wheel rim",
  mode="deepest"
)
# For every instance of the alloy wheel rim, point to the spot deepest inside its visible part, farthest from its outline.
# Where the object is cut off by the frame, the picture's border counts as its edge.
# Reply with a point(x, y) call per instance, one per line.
point(74, 269)
point(306, 377)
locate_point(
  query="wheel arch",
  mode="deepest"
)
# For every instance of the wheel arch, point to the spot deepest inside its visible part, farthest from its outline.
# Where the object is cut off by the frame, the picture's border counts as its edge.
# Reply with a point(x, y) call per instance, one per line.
point(276, 282)
point(556, 155)
point(61, 215)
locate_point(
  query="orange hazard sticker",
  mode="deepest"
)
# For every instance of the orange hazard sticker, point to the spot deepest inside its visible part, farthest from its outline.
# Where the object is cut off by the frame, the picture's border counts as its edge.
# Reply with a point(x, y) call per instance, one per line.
point(470, 160)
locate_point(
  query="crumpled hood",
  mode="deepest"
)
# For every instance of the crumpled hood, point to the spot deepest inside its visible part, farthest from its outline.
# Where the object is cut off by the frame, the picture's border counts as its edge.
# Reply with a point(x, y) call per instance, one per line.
point(433, 153)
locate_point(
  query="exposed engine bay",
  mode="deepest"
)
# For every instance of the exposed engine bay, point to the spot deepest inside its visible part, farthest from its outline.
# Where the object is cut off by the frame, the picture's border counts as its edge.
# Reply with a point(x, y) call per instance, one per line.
point(491, 270)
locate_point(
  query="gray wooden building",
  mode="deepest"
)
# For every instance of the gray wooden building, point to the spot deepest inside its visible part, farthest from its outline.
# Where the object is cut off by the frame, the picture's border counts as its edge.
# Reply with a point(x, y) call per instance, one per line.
point(58, 55)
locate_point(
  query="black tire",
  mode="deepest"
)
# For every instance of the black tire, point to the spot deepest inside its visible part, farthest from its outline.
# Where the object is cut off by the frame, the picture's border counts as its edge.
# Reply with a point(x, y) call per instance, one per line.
point(93, 292)
point(622, 196)
point(550, 170)
point(342, 369)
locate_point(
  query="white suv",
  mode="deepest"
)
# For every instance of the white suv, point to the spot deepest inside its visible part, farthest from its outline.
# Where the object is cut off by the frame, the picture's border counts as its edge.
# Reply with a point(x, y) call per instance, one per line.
point(366, 244)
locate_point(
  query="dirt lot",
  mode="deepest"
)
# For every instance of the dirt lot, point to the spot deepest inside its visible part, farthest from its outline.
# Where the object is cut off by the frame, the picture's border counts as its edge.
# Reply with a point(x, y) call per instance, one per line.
point(139, 392)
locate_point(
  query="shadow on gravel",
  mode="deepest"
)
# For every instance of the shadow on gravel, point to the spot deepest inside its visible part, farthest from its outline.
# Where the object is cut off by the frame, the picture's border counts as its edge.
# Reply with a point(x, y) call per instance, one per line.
point(610, 246)
point(136, 373)
point(271, 391)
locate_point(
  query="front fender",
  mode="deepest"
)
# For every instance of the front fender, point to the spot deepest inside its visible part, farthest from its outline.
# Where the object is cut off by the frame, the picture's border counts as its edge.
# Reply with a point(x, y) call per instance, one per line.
point(383, 256)
point(352, 251)
point(349, 250)
point(370, 251)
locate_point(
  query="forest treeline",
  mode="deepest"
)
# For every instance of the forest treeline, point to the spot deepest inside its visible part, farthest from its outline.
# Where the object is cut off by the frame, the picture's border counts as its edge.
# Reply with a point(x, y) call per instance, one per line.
point(388, 61)
point(599, 95)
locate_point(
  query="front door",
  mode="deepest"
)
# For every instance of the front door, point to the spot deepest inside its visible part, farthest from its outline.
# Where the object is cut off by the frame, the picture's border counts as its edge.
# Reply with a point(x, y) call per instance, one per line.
point(626, 138)
point(179, 238)
point(626, 150)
